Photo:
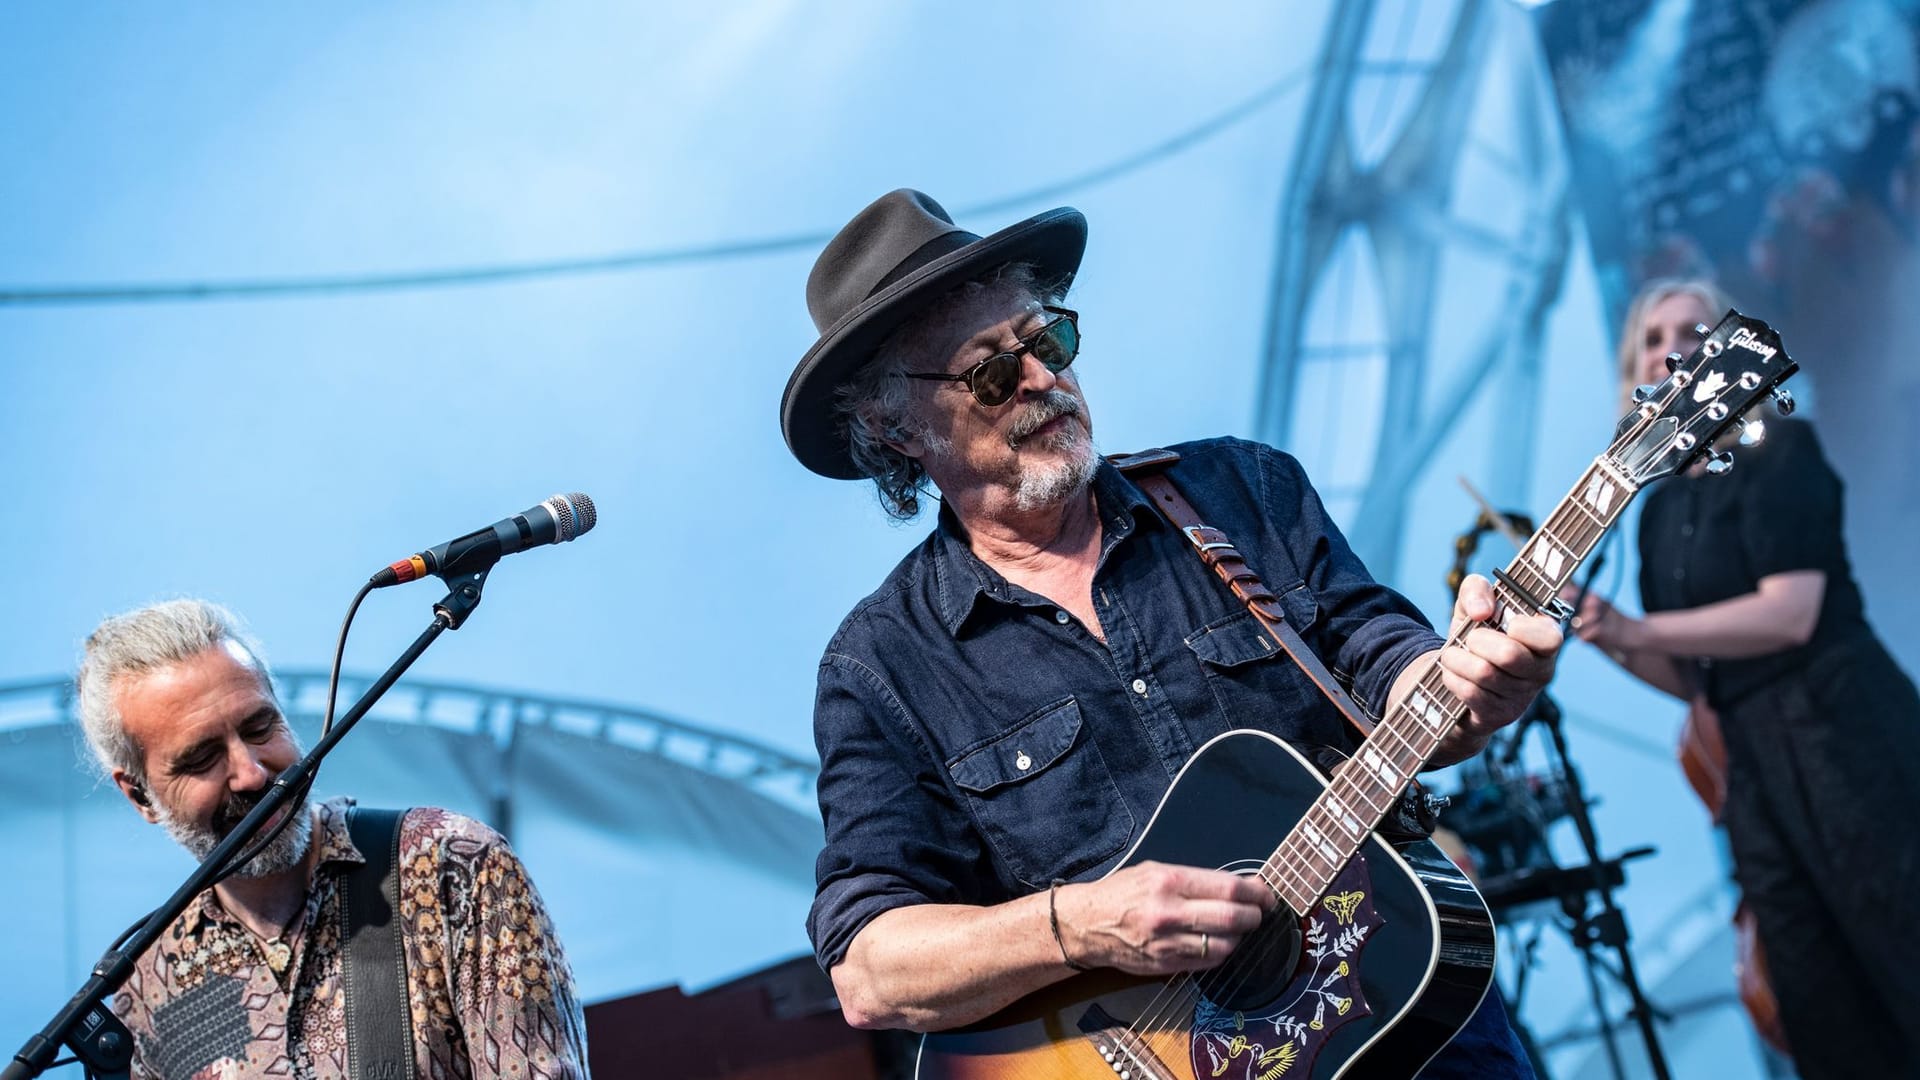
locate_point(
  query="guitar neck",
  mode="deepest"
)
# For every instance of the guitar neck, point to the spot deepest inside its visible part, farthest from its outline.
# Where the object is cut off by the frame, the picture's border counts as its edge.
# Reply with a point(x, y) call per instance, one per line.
point(1339, 821)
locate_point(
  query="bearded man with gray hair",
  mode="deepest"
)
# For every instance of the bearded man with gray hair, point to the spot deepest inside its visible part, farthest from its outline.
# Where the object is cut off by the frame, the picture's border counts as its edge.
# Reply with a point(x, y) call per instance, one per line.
point(999, 720)
point(181, 714)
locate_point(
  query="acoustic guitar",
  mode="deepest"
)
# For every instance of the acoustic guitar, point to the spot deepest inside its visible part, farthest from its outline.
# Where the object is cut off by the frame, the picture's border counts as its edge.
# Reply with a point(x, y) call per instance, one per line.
point(1382, 953)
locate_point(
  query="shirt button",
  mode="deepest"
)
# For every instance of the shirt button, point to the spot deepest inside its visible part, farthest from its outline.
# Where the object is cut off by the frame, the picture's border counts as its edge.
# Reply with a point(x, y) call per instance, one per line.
point(1687, 529)
point(1679, 573)
point(1062, 617)
point(1139, 686)
point(1021, 761)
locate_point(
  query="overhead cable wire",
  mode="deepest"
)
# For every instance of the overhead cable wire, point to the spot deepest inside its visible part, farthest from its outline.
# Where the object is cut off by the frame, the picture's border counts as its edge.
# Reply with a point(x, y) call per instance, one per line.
point(335, 285)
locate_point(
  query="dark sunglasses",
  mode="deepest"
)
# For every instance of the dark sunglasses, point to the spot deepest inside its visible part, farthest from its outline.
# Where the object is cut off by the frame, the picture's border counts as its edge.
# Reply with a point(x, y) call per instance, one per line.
point(994, 380)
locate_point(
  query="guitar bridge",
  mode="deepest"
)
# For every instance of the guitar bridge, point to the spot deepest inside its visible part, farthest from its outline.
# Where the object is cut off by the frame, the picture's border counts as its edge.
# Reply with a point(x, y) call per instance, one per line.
point(1124, 1050)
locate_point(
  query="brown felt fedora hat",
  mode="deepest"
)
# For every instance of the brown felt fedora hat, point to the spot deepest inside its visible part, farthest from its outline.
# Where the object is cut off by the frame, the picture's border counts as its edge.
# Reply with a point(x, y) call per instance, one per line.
point(891, 260)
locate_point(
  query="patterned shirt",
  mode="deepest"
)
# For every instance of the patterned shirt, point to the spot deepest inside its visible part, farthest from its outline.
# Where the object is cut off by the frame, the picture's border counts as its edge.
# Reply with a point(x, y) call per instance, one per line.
point(489, 988)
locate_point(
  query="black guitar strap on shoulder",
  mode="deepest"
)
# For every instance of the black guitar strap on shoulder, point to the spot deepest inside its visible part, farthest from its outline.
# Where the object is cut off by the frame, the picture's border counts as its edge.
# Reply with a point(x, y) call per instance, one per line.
point(1147, 469)
point(373, 965)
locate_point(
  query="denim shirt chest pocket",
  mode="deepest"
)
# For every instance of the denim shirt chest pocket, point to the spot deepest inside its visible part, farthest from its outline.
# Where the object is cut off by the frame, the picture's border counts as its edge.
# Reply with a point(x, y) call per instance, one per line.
point(1043, 797)
point(1250, 676)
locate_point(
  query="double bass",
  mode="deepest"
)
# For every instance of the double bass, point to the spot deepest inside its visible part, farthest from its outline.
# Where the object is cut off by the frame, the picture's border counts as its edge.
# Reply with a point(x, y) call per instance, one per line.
point(1703, 758)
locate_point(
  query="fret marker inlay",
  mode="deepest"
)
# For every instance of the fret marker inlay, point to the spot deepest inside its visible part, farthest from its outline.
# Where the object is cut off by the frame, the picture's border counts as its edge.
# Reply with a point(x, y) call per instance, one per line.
point(1377, 763)
point(1343, 816)
point(1599, 494)
point(1548, 556)
point(1427, 709)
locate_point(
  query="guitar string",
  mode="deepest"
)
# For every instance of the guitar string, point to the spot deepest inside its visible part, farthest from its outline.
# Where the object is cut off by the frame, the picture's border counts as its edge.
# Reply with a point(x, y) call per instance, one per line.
point(1167, 1009)
point(1184, 985)
point(1160, 1014)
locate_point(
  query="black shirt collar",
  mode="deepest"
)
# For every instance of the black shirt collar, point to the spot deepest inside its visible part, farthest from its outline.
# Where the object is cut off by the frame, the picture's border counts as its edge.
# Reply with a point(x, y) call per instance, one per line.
point(960, 578)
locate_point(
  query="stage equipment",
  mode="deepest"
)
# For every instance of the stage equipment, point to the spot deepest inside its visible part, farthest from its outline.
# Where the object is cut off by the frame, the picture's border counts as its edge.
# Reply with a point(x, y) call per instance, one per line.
point(555, 521)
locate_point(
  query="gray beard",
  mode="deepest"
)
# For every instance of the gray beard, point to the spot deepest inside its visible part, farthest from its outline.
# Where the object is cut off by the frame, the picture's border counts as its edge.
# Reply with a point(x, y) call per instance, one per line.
point(1049, 485)
point(285, 853)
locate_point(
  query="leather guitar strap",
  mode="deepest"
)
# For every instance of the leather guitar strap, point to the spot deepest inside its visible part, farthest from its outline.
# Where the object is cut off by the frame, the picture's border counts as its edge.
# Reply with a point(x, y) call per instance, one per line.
point(1146, 469)
point(373, 966)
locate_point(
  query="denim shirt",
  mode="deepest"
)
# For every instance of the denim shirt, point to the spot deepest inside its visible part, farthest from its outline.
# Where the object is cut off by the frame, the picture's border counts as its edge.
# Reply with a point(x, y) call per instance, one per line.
point(976, 741)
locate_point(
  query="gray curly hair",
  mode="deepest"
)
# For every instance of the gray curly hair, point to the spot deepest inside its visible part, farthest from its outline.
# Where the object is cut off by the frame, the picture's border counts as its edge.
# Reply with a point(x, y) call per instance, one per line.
point(874, 408)
point(140, 641)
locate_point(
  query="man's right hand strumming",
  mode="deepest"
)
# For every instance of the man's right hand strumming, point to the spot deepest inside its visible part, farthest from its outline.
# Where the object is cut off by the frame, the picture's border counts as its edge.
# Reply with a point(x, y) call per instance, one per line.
point(1158, 919)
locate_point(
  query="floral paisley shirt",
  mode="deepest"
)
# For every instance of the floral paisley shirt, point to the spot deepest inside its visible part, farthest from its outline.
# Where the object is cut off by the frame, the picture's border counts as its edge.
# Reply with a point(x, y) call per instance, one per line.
point(488, 985)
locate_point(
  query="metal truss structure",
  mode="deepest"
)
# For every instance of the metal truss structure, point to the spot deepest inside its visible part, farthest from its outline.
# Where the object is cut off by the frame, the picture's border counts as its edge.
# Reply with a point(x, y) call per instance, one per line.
point(1387, 199)
point(499, 716)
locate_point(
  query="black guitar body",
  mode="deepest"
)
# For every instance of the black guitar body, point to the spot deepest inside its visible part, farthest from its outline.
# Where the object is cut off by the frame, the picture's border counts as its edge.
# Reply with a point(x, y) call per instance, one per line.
point(1371, 983)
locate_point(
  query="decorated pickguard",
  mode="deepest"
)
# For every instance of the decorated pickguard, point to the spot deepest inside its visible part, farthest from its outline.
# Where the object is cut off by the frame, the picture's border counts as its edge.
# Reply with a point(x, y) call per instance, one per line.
point(1323, 995)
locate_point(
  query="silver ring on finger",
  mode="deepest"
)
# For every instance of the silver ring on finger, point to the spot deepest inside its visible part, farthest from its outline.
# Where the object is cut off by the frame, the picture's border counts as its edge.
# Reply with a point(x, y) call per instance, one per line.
point(1205, 942)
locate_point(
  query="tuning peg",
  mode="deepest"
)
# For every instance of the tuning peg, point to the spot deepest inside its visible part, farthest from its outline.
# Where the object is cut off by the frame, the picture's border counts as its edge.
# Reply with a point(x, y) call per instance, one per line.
point(1643, 392)
point(1674, 360)
point(1719, 463)
point(1702, 329)
point(1753, 431)
point(1783, 402)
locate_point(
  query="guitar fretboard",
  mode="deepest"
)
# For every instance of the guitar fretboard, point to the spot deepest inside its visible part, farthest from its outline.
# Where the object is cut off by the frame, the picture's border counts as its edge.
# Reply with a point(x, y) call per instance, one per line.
point(1357, 800)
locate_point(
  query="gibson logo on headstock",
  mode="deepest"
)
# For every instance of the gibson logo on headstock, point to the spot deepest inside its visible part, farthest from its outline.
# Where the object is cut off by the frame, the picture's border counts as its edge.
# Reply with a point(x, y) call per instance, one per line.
point(1744, 338)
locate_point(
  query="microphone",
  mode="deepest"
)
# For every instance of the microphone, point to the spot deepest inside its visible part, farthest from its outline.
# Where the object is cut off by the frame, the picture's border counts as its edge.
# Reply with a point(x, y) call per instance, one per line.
point(554, 521)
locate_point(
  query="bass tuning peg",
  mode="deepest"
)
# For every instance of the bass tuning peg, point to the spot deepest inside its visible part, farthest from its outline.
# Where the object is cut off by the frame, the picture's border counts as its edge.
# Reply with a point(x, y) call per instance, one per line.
point(1783, 402)
point(1643, 392)
point(1673, 362)
point(1719, 463)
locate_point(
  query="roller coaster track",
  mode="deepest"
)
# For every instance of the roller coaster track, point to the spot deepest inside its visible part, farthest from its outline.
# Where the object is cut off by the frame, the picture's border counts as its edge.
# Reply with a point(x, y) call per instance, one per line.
point(496, 714)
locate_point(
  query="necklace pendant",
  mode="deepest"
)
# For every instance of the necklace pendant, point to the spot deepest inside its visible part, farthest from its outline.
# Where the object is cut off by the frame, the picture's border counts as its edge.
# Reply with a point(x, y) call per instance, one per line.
point(278, 955)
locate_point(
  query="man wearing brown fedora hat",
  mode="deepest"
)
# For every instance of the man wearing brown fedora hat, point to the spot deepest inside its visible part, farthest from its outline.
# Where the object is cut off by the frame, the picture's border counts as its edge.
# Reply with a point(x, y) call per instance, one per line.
point(999, 720)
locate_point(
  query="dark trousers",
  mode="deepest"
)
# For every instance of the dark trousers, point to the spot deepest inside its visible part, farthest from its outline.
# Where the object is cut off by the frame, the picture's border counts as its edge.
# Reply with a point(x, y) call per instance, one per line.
point(1824, 766)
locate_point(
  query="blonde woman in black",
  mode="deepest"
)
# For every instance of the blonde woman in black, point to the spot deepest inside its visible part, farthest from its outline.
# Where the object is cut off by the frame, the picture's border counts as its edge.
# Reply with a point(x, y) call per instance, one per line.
point(1752, 609)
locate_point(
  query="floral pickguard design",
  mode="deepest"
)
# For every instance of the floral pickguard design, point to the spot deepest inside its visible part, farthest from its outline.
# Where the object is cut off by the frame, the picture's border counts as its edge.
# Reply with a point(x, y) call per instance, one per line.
point(1323, 995)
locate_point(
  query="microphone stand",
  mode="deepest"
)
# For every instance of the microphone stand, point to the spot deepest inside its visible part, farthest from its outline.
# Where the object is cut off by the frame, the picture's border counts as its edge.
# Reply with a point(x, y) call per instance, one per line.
point(100, 1042)
point(1608, 926)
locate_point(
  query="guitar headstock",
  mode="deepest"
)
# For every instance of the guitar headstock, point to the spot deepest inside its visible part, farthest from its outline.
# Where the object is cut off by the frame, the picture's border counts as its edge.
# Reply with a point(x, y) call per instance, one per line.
point(1676, 423)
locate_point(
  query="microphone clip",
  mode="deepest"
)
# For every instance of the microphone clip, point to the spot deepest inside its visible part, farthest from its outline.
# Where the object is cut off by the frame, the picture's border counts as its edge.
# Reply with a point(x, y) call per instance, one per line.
point(463, 595)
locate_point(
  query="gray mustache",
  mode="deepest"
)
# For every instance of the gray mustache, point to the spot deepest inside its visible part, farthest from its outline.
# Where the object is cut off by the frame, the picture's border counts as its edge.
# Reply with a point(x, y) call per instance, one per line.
point(1048, 407)
point(236, 806)
point(231, 811)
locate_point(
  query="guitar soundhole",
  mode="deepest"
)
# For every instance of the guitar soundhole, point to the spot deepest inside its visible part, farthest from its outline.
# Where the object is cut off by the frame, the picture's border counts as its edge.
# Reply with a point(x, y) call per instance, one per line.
point(1260, 968)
